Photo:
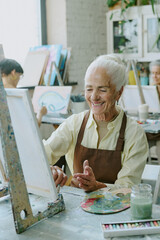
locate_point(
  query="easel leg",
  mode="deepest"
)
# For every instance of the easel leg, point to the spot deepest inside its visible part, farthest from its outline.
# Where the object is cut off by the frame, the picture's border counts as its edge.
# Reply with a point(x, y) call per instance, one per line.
point(22, 212)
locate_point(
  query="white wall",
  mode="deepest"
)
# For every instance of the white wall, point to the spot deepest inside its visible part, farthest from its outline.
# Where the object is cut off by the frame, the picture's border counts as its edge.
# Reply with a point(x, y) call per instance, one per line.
point(83, 23)
point(56, 22)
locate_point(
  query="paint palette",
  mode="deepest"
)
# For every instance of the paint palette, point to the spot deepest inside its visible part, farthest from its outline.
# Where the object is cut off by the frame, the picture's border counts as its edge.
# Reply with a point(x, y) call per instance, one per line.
point(128, 228)
point(104, 202)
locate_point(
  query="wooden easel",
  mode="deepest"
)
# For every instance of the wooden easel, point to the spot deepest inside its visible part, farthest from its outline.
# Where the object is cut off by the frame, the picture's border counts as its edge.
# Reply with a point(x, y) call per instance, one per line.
point(22, 211)
point(133, 64)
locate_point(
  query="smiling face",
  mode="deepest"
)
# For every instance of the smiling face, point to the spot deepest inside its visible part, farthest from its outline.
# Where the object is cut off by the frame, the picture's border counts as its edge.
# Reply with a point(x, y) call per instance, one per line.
point(155, 71)
point(101, 94)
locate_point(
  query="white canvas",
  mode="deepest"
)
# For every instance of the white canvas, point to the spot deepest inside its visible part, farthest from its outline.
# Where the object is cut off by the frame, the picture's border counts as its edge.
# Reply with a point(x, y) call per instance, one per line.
point(130, 99)
point(34, 162)
point(33, 67)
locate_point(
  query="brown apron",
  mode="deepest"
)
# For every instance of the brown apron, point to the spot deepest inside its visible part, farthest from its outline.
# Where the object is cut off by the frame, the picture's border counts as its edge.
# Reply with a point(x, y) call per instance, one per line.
point(105, 163)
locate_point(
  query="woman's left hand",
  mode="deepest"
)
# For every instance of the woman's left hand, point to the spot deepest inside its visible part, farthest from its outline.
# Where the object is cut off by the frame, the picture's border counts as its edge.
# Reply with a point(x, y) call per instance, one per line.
point(87, 180)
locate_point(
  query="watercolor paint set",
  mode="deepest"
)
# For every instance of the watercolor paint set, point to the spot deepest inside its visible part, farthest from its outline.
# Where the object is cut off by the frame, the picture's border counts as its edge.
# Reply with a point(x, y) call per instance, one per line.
point(130, 228)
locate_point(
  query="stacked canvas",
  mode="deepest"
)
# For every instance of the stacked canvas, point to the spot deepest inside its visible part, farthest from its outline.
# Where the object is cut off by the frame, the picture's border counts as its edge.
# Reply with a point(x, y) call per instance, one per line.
point(45, 65)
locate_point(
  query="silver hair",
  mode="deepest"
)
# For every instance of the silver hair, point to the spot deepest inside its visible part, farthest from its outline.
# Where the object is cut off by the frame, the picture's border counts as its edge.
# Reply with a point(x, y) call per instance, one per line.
point(114, 66)
point(154, 63)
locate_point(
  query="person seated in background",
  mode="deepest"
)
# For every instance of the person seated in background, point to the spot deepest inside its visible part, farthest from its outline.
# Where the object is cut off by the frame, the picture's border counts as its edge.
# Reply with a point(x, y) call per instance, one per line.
point(102, 146)
point(154, 138)
point(155, 73)
point(11, 72)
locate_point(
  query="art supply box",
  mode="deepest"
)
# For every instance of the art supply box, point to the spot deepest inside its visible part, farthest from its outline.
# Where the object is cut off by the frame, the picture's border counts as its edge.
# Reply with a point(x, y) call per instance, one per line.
point(128, 228)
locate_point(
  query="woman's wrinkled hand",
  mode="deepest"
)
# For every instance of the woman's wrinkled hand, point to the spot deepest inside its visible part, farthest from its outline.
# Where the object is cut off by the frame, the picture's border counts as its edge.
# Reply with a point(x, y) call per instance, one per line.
point(86, 180)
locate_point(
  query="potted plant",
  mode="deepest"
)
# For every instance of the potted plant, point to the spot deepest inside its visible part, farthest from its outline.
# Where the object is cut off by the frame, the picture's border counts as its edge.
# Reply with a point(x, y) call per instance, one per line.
point(125, 4)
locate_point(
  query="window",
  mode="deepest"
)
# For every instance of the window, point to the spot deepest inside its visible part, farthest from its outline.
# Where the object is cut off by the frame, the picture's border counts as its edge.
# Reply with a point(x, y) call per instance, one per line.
point(20, 27)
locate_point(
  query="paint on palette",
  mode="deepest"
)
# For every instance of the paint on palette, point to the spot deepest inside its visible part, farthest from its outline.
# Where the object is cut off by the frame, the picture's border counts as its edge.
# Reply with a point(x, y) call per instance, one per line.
point(104, 202)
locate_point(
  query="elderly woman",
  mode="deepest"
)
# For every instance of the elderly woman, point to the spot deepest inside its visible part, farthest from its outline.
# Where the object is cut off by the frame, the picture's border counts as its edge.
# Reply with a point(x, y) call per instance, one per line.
point(102, 146)
point(155, 73)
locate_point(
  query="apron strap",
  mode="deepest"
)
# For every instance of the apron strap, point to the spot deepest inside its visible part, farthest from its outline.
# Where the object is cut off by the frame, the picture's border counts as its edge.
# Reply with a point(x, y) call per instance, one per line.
point(81, 132)
point(120, 141)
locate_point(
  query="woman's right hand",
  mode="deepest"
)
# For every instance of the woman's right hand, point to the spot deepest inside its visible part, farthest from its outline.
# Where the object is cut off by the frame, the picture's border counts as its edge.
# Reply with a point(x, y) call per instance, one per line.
point(59, 176)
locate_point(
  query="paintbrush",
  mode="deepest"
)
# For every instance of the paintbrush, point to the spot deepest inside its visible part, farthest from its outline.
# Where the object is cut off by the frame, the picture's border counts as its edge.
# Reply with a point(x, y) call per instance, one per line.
point(58, 187)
